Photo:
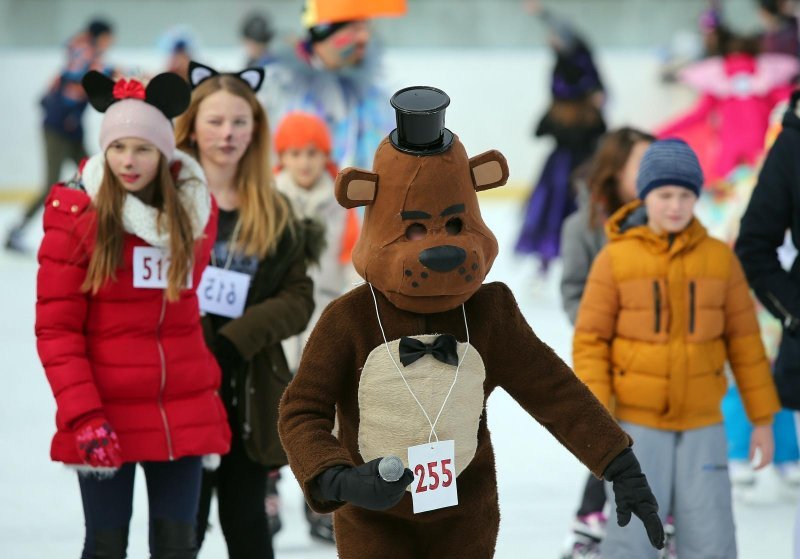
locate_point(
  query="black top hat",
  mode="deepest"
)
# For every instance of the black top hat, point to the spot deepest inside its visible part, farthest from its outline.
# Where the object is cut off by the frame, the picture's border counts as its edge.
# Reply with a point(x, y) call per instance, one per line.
point(420, 121)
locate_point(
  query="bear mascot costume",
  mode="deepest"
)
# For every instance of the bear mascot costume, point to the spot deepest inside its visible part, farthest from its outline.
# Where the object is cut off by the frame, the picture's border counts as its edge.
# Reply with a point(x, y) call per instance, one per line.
point(405, 363)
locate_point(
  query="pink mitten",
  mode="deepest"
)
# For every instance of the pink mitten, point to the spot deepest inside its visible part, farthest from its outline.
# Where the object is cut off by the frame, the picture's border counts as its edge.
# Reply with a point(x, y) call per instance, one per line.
point(98, 445)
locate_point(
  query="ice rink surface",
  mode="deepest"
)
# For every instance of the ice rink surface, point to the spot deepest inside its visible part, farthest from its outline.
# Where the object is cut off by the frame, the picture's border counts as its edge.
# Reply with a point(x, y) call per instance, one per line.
point(539, 481)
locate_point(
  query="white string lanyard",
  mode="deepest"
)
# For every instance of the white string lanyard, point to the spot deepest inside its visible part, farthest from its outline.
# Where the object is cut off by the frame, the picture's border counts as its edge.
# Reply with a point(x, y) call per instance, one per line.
point(231, 247)
point(402, 376)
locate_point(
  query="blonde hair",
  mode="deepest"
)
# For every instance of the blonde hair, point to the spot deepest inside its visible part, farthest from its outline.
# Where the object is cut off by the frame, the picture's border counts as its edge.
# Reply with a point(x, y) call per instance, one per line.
point(264, 213)
point(109, 233)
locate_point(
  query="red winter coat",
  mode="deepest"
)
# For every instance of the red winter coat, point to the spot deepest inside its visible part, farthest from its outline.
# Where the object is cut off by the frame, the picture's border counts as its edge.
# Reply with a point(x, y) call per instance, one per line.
point(125, 353)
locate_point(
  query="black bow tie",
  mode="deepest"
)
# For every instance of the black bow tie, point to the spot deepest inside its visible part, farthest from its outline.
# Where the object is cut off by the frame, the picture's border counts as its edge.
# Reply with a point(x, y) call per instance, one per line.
point(443, 348)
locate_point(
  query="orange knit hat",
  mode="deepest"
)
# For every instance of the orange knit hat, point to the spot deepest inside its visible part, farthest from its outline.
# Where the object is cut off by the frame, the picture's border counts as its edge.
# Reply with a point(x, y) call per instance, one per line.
point(299, 129)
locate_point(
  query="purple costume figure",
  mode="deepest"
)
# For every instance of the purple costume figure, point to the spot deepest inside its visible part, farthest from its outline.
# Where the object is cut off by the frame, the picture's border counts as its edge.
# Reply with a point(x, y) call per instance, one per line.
point(575, 121)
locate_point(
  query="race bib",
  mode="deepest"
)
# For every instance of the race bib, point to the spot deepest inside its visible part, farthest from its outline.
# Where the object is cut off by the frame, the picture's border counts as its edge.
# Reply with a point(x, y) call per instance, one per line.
point(150, 268)
point(223, 292)
point(434, 485)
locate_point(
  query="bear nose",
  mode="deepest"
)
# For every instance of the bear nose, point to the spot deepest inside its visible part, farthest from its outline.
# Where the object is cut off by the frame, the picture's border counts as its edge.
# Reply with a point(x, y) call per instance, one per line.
point(442, 258)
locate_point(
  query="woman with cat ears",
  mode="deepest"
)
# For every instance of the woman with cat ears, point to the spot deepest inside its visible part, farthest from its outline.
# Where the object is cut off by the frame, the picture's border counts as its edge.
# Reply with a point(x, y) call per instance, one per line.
point(117, 322)
point(255, 294)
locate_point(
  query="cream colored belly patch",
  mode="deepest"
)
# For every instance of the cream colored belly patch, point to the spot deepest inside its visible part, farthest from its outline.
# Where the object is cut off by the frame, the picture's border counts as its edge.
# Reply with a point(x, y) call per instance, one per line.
point(391, 421)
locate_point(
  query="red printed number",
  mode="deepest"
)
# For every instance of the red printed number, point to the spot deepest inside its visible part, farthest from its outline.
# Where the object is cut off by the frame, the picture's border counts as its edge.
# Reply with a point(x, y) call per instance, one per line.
point(147, 263)
point(148, 271)
point(419, 471)
point(448, 473)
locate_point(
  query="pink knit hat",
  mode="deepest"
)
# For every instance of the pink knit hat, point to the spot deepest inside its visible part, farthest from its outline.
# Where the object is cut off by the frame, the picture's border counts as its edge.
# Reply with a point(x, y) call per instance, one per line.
point(132, 118)
point(133, 111)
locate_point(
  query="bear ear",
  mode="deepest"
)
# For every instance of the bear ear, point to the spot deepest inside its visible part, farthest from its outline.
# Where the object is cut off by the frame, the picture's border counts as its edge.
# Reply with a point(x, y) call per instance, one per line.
point(253, 77)
point(198, 73)
point(99, 89)
point(489, 170)
point(169, 93)
point(356, 187)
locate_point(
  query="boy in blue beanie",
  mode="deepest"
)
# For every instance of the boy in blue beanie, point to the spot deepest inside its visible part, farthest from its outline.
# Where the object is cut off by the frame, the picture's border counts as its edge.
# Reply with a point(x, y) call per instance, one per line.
point(665, 307)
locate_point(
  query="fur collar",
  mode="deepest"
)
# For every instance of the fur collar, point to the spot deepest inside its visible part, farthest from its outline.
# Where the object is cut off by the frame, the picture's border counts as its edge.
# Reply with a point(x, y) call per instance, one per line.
point(307, 203)
point(140, 219)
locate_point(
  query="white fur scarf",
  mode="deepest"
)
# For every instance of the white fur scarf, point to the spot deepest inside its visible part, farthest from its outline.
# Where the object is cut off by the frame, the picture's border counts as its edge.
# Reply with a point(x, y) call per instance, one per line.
point(142, 220)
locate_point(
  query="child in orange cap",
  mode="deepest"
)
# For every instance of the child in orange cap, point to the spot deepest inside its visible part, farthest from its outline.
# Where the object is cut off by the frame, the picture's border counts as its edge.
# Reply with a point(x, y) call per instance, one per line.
point(305, 175)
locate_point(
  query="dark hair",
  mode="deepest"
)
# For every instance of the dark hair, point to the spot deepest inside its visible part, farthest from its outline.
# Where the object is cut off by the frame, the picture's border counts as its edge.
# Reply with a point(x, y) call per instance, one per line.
point(774, 7)
point(743, 44)
point(602, 178)
point(722, 34)
point(99, 27)
point(322, 31)
point(258, 27)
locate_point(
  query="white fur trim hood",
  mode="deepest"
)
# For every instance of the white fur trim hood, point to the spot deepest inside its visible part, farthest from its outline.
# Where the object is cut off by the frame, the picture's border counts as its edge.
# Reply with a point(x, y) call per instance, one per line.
point(140, 219)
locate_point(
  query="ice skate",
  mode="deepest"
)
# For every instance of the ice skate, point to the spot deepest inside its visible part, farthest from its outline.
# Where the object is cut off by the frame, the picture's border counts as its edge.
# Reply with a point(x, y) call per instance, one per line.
point(272, 503)
point(669, 541)
point(583, 547)
point(741, 473)
point(789, 472)
point(587, 533)
point(320, 526)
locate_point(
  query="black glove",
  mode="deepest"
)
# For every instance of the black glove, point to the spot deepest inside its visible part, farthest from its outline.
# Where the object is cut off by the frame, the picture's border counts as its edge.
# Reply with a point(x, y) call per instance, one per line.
point(362, 486)
point(633, 495)
point(226, 354)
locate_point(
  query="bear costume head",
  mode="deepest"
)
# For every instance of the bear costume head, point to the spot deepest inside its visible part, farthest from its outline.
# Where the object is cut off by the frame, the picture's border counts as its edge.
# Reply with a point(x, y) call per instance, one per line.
point(424, 244)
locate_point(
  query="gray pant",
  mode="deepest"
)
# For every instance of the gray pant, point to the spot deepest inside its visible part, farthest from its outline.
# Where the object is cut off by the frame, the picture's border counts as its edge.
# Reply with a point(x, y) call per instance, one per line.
point(688, 473)
point(57, 149)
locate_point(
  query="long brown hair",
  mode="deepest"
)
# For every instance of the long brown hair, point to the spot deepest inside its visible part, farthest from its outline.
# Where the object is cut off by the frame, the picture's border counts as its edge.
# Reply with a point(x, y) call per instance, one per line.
point(604, 169)
point(264, 213)
point(107, 253)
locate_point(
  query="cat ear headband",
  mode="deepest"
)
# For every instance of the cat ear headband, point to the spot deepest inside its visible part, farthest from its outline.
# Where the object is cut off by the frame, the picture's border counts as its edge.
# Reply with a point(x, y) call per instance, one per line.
point(167, 92)
point(198, 73)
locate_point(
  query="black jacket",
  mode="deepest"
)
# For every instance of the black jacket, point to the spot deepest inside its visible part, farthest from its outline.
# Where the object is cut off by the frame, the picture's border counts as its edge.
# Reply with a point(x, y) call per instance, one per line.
point(774, 208)
point(279, 305)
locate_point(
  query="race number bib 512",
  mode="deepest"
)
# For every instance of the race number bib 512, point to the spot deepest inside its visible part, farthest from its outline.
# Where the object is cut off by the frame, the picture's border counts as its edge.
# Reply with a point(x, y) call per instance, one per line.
point(223, 292)
point(150, 268)
point(434, 468)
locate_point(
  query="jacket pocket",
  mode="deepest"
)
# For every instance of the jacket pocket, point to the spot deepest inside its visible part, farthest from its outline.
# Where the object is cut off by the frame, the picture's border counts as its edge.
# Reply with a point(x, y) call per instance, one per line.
point(705, 393)
point(790, 322)
point(267, 379)
point(692, 304)
point(639, 391)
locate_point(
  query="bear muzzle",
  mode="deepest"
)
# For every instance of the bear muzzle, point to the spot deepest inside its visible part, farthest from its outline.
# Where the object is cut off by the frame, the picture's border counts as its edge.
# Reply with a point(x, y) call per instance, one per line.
point(442, 258)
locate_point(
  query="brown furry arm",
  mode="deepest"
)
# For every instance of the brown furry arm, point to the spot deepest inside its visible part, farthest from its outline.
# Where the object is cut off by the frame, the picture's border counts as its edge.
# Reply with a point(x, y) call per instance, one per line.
point(546, 388)
point(308, 407)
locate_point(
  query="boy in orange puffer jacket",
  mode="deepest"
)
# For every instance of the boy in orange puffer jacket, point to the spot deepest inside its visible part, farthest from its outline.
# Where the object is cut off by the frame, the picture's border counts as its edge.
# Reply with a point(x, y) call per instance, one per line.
point(665, 306)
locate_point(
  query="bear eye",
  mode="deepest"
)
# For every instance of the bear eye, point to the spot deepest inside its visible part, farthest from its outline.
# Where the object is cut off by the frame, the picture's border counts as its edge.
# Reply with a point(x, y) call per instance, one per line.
point(416, 232)
point(453, 226)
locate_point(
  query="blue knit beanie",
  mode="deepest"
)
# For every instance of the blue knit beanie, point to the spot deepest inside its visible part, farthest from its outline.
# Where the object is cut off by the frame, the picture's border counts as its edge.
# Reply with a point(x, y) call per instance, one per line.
point(669, 163)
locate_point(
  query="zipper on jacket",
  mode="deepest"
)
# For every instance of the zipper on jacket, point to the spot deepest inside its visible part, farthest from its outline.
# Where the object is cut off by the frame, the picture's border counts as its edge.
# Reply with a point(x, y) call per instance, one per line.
point(691, 306)
point(790, 322)
point(248, 395)
point(163, 378)
point(657, 301)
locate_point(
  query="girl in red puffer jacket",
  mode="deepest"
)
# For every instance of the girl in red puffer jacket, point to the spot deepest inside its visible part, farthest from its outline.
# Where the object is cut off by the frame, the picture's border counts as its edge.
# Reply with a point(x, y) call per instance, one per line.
point(117, 320)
